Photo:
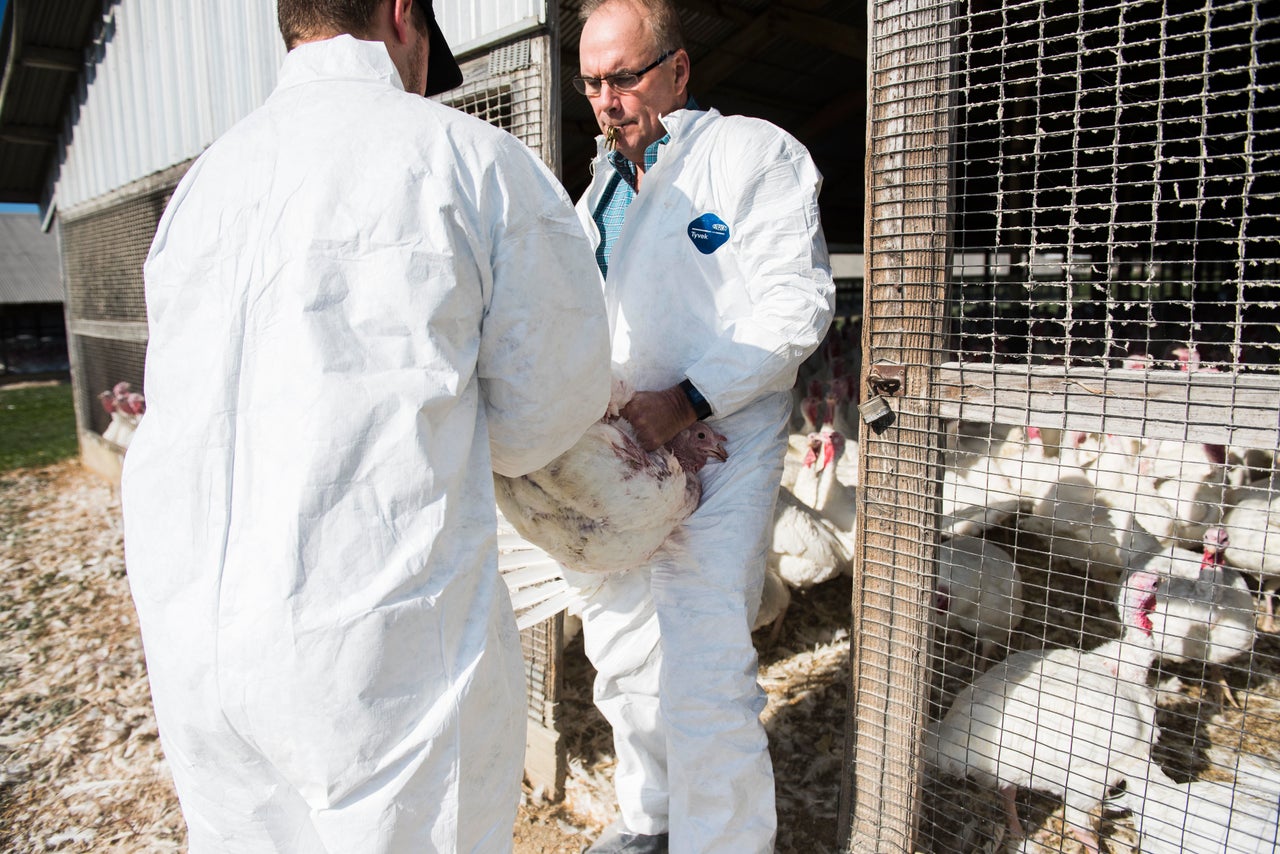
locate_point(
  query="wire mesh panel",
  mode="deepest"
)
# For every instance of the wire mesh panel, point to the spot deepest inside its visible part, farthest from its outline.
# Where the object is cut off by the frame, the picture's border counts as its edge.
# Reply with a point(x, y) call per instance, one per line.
point(103, 251)
point(1069, 505)
point(510, 87)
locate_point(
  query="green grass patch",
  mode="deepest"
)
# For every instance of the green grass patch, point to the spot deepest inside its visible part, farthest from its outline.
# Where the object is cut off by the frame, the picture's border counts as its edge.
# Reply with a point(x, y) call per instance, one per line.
point(37, 426)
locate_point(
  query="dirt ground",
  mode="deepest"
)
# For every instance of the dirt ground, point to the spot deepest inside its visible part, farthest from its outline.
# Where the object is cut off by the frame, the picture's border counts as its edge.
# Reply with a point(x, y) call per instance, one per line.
point(80, 763)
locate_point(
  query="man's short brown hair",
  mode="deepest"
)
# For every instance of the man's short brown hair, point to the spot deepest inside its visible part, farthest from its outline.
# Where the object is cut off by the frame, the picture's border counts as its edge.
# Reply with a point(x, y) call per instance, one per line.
point(305, 20)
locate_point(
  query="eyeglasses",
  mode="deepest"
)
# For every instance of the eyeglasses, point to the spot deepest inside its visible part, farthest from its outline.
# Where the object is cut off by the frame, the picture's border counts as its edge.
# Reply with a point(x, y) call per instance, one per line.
point(623, 81)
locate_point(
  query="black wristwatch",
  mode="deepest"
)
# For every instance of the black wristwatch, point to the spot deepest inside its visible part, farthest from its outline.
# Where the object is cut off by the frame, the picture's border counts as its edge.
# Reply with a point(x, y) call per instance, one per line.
point(699, 403)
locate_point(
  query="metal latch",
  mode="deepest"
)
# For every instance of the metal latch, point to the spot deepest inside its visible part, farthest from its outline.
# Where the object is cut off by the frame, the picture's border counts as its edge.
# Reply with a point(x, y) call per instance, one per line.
point(887, 379)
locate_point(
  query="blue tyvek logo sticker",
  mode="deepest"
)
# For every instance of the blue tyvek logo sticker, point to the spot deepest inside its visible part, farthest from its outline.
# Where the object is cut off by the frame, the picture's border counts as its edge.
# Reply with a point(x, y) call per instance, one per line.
point(708, 233)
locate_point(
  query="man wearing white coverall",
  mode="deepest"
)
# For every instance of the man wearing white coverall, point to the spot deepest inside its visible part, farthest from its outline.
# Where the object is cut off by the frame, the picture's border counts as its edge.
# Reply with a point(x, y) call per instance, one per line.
point(361, 304)
point(717, 288)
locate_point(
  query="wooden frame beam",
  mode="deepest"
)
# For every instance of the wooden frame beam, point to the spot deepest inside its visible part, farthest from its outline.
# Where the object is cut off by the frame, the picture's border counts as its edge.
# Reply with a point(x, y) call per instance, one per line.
point(1218, 408)
point(907, 217)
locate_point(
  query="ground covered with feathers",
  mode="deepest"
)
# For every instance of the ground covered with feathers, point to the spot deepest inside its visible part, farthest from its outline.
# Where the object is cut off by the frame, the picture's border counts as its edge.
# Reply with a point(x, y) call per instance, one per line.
point(81, 767)
point(80, 763)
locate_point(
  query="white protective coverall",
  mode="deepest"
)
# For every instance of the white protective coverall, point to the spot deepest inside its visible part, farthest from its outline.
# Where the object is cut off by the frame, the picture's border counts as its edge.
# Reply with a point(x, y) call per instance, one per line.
point(736, 309)
point(361, 303)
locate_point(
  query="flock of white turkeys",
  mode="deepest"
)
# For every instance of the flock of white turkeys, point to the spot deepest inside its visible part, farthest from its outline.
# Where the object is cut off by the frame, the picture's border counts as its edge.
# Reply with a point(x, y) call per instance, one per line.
point(1187, 536)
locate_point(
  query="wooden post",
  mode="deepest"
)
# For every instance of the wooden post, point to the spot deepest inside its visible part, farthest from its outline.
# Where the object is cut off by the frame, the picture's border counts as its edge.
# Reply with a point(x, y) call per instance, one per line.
point(545, 761)
point(905, 311)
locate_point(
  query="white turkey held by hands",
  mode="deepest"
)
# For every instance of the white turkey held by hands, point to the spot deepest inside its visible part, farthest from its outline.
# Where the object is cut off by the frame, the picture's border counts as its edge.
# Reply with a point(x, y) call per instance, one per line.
point(606, 504)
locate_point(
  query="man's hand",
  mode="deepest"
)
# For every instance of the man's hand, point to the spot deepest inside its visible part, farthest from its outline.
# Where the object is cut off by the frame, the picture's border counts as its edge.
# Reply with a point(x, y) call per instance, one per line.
point(656, 416)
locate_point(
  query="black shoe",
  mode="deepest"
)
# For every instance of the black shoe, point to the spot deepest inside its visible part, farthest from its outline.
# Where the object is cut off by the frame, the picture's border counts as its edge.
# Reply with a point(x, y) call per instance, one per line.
point(616, 839)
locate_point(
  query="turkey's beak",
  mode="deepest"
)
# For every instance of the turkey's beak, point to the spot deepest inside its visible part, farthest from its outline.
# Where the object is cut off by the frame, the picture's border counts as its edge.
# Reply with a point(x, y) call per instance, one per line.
point(718, 451)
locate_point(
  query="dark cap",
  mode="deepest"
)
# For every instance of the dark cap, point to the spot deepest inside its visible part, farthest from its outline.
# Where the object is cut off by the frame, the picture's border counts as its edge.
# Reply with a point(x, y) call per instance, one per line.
point(443, 72)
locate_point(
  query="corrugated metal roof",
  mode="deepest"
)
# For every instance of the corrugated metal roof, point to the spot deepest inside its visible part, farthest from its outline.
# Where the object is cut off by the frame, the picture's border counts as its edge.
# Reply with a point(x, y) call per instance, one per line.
point(172, 76)
point(28, 261)
point(43, 47)
point(158, 80)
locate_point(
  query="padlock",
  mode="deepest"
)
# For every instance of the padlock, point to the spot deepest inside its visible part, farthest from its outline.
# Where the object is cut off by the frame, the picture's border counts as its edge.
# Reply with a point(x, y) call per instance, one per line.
point(873, 409)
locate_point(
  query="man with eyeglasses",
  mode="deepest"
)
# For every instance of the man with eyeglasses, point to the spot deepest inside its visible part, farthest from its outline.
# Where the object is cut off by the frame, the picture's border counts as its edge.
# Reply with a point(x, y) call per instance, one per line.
point(718, 286)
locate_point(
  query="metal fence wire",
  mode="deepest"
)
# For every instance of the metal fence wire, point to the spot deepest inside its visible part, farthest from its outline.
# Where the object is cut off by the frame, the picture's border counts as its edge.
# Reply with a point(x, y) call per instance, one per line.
point(511, 87)
point(1069, 512)
point(103, 249)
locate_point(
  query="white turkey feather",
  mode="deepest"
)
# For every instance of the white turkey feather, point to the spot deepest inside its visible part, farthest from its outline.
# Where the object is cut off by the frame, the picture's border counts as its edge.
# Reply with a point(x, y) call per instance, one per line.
point(1206, 817)
point(535, 581)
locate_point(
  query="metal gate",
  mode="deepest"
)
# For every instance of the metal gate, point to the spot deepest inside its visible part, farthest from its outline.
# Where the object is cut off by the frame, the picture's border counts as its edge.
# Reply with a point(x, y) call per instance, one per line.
point(1072, 325)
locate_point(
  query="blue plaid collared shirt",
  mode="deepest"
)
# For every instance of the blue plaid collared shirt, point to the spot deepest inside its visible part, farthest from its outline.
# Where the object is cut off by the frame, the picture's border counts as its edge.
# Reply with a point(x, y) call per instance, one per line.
point(618, 195)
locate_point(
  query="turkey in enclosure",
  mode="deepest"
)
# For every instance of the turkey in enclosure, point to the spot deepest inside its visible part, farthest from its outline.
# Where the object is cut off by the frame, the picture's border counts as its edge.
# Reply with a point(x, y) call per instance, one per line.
point(126, 408)
point(1180, 485)
point(846, 468)
point(1180, 490)
point(840, 400)
point(606, 504)
point(834, 357)
point(1029, 464)
point(1066, 721)
point(811, 409)
point(1206, 817)
point(991, 473)
point(1110, 462)
point(775, 598)
point(979, 592)
point(806, 549)
point(812, 538)
point(1253, 524)
point(818, 483)
point(1081, 525)
point(977, 495)
point(806, 407)
point(811, 414)
point(1204, 611)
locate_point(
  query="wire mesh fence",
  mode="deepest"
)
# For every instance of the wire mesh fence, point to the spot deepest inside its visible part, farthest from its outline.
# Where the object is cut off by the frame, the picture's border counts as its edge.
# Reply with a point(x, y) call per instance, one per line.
point(510, 87)
point(103, 250)
point(1069, 507)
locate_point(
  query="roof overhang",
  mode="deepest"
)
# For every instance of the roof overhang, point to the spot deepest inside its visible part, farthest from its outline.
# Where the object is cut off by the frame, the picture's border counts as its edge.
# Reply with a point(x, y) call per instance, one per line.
point(45, 45)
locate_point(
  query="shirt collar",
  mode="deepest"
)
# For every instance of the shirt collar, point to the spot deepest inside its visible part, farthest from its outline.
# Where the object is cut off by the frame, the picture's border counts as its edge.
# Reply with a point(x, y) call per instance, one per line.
point(627, 169)
point(341, 57)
